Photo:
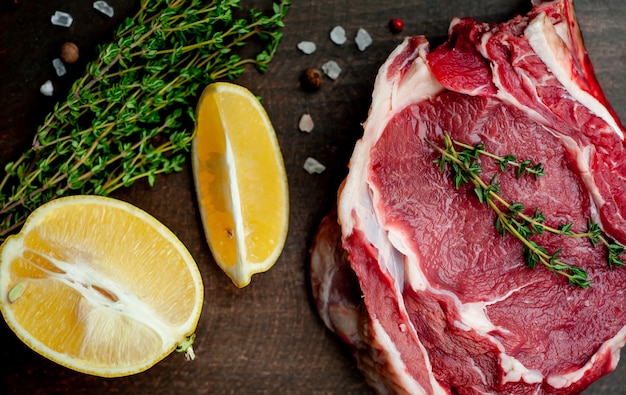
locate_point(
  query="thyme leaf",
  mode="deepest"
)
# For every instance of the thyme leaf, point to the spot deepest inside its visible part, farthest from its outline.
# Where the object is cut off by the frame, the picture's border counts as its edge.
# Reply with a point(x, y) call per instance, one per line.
point(615, 250)
point(131, 115)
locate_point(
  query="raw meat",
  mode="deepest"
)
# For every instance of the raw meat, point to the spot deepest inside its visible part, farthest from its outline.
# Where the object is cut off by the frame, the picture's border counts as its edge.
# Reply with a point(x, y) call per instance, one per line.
point(412, 273)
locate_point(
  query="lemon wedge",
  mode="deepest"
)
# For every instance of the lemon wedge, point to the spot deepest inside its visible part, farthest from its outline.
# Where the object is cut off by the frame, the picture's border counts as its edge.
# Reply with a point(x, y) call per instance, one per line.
point(240, 181)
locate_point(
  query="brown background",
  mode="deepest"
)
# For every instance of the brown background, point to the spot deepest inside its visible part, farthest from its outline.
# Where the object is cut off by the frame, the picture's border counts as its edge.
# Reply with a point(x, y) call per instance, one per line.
point(266, 338)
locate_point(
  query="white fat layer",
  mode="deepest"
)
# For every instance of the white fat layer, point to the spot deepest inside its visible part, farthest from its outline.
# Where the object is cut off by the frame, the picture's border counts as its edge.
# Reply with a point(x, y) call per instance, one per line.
point(418, 84)
point(582, 161)
point(610, 348)
point(357, 201)
point(398, 369)
point(409, 263)
point(320, 257)
point(583, 157)
point(474, 316)
point(553, 51)
point(413, 275)
point(394, 260)
point(479, 371)
point(388, 97)
point(504, 94)
point(345, 321)
point(515, 371)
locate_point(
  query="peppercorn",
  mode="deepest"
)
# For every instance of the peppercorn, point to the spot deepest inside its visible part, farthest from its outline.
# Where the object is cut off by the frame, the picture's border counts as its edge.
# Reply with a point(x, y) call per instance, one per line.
point(69, 52)
point(311, 79)
point(396, 25)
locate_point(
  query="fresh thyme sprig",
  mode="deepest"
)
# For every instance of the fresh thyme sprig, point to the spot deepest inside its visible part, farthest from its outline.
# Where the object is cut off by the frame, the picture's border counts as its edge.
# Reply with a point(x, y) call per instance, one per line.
point(615, 250)
point(511, 217)
point(523, 167)
point(131, 115)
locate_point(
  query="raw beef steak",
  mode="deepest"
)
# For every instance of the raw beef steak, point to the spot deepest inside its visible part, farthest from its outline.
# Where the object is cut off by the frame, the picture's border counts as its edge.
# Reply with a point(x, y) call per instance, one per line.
point(411, 271)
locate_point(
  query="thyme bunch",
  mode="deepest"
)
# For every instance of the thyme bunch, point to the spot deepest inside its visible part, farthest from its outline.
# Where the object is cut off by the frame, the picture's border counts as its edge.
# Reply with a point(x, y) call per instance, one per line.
point(131, 115)
point(511, 217)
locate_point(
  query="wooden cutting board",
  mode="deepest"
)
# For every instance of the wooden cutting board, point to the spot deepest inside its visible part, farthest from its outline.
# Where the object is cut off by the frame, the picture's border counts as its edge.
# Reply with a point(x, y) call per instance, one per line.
point(266, 338)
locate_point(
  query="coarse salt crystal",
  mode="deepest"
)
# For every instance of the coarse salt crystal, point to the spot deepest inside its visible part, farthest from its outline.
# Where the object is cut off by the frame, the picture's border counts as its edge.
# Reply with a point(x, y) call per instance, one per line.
point(47, 89)
point(331, 69)
point(362, 39)
point(60, 18)
point(306, 123)
point(307, 47)
point(338, 35)
point(59, 67)
point(313, 166)
point(104, 8)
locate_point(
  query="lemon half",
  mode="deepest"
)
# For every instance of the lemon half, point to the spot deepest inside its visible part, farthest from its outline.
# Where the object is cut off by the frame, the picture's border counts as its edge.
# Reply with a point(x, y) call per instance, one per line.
point(99, 286)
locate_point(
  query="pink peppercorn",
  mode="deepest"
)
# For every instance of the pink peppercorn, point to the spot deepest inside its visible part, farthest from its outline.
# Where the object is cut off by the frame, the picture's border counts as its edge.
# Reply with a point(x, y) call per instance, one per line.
point(396, 25)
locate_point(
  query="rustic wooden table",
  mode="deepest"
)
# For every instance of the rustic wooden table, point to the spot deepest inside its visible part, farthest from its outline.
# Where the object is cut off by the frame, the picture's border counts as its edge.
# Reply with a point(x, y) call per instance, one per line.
point(266, 338)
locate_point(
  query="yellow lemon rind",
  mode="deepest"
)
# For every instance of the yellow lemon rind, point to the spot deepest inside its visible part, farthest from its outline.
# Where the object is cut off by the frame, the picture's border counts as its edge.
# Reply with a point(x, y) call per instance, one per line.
point(240, 277)
point(13, 244)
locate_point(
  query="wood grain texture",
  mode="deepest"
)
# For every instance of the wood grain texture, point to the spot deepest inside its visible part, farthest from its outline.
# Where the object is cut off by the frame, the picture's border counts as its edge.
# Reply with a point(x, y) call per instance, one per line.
point(265, 338)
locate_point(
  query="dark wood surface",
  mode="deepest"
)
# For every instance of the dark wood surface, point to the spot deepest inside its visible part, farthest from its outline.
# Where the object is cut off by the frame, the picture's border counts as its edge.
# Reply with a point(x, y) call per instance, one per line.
point(265, 338)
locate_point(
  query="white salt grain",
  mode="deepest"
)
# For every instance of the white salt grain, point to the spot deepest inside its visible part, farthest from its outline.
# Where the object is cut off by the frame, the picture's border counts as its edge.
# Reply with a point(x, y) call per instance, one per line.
point(331, 69)
point(338, 35)
point(362, 39)
point(60, 18)
point(47, 89)
point(104, 8)
point(307, 47)
point(313, 166)
point(59, 67)
point(306, 123)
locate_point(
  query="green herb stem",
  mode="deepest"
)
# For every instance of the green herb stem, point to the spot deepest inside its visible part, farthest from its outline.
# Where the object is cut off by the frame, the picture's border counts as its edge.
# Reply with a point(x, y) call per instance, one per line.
point(131, 115)
point(510, 217)
point(523, 166)
point(489, 195)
